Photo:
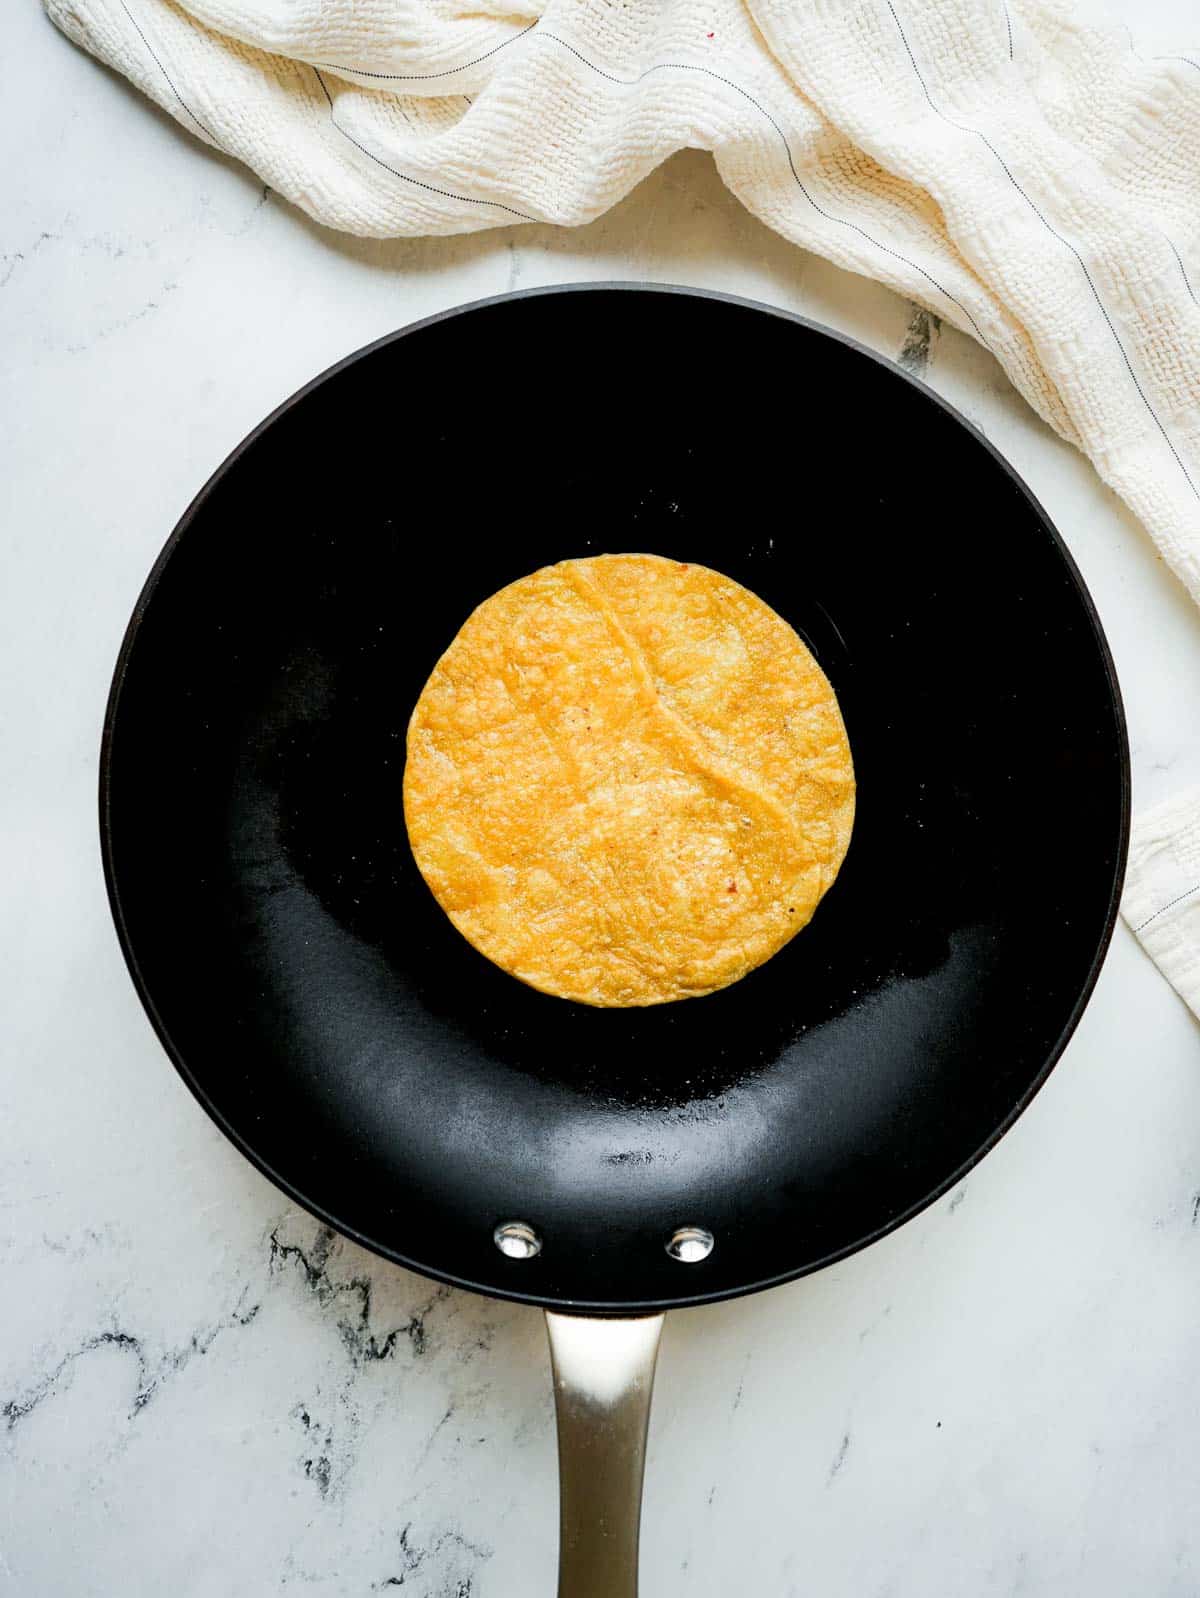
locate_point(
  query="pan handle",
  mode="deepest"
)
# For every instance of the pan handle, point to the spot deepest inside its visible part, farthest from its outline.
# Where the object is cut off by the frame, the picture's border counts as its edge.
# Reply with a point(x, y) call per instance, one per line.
point(603, 1378)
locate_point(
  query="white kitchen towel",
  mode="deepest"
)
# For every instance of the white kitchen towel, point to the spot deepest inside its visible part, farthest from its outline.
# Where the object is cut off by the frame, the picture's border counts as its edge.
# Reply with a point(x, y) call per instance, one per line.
point(1029, 177)
point(1162, 891)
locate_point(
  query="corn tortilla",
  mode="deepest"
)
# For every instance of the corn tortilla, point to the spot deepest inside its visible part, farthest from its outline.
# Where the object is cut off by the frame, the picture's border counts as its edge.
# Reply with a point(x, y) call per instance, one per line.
point(628, 781)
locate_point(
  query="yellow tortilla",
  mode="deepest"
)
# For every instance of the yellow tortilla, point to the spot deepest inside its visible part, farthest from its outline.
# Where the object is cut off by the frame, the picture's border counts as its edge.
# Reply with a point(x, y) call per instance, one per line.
point(628, 781)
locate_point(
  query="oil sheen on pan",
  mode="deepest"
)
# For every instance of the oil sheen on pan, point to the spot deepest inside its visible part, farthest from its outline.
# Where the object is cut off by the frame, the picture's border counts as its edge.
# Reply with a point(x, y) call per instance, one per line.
point(628, 781)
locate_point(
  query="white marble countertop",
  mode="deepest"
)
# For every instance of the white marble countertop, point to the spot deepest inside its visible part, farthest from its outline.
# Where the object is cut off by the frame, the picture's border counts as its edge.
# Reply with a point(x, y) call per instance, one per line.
point(1003, 1397)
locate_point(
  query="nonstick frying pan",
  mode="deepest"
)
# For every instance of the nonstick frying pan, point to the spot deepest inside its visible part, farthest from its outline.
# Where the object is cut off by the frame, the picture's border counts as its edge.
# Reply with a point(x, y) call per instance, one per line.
point(608, 1165)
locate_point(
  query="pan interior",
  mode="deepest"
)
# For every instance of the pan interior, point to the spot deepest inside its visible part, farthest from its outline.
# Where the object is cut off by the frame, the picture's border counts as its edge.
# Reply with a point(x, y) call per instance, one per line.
point(325, 1009)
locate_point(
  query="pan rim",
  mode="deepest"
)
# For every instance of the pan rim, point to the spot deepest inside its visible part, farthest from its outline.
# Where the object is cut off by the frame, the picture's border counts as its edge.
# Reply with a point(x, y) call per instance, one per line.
point(600, 1307)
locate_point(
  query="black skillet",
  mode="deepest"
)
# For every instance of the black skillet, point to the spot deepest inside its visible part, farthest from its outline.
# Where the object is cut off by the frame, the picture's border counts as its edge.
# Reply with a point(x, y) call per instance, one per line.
point(368, 1060)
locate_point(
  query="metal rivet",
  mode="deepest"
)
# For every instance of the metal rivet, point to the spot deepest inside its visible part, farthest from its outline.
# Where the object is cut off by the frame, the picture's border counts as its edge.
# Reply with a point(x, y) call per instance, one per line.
point(690, 1244)
point(517, 1239)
